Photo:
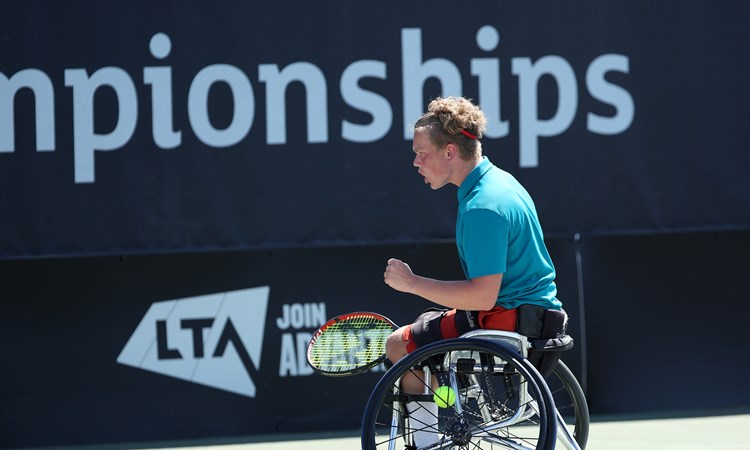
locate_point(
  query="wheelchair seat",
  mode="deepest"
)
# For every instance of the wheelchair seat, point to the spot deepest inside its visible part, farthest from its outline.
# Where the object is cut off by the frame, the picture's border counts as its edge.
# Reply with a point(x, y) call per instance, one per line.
point(543, 353)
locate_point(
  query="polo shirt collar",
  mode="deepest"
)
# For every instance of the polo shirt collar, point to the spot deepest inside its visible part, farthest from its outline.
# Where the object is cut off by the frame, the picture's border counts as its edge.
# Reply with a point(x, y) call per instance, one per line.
point(473, 176)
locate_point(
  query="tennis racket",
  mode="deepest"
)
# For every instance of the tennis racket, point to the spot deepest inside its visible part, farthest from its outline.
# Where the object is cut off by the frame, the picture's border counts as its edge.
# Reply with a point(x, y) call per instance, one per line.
point(349, 344)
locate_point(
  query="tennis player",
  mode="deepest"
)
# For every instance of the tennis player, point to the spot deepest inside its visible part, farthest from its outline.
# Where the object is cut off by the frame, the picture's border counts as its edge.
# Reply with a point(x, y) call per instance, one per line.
point(498, 236)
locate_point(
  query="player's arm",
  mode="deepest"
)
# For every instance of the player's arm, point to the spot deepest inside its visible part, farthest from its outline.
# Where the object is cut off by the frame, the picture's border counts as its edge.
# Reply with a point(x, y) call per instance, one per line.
point(476, 294)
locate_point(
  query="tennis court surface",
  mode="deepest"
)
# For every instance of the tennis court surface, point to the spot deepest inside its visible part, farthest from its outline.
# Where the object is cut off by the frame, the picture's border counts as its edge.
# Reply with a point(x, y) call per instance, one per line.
point(722, 432)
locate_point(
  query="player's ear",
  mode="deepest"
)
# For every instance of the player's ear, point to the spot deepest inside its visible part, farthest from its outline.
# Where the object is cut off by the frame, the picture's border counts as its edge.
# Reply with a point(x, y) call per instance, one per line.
point(451, 150)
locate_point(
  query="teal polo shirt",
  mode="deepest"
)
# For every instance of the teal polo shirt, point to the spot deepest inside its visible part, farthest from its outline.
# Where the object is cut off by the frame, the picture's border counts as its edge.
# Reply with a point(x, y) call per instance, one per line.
point(498, 231)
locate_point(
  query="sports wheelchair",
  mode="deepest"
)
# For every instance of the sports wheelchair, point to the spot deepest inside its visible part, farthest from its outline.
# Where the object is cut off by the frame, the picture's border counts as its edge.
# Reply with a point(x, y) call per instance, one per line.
point(500, 400)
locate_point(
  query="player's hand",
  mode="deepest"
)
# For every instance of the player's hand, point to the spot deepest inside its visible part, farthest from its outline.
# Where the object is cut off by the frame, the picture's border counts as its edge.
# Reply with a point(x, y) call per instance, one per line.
point(398, 275)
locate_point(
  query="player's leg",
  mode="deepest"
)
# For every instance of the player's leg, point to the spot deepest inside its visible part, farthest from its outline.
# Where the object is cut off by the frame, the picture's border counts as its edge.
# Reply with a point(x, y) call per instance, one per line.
point(422, 416)
point(398, 345)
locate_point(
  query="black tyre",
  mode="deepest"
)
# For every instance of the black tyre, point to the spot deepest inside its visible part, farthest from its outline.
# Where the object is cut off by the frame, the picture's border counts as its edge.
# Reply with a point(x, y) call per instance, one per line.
point(501, 400)
point(570, 402)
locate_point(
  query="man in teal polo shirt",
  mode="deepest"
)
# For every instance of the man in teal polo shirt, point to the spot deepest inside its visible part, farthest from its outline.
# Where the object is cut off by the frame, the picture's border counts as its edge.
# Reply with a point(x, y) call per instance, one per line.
point(498, 235)
point(498, 232)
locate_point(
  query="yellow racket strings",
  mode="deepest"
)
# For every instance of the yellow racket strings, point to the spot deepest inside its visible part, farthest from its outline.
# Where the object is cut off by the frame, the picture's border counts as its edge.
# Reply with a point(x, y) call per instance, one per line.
point(348, 344)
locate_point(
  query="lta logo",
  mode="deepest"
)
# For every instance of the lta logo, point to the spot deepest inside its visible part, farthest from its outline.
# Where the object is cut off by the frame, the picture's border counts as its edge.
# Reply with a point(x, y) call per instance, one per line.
point(214, 340)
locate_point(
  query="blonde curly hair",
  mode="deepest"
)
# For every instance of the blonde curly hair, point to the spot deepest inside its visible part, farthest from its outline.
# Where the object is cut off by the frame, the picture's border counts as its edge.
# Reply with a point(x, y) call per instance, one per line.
point(454, 120)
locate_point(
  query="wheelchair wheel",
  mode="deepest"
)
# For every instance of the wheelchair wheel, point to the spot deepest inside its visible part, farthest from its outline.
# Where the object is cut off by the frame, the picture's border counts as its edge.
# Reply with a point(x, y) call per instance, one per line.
point(501, 401)
point(570, 402)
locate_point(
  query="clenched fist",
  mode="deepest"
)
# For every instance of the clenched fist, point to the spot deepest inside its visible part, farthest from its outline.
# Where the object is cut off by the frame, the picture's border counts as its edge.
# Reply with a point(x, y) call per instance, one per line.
point(398, 275)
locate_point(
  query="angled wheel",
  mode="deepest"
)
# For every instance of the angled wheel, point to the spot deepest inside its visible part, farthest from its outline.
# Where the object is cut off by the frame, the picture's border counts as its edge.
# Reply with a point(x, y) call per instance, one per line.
point(498, 401)
point(571, 405)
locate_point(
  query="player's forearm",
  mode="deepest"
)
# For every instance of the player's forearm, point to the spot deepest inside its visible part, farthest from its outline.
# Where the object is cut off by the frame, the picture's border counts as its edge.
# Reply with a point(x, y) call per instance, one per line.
point(465, 294)
point(477, 294)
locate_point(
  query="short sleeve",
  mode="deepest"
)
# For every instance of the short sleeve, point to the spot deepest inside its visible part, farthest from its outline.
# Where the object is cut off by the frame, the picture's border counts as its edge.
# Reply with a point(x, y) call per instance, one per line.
point(485, 242)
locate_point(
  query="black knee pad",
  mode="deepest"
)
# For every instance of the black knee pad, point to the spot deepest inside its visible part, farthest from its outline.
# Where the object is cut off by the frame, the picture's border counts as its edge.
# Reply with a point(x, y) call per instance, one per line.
point(426, 329)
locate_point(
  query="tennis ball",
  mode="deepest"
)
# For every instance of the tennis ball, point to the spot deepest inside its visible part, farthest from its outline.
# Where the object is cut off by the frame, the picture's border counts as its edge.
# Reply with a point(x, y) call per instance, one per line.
point(444, 396)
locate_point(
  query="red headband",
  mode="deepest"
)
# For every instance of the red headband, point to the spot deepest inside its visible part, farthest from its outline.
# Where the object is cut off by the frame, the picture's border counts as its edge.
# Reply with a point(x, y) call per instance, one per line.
point(467, 134)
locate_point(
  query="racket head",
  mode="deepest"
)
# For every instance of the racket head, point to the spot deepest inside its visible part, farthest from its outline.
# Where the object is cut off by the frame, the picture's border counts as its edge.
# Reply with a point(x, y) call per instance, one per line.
point(349, 344)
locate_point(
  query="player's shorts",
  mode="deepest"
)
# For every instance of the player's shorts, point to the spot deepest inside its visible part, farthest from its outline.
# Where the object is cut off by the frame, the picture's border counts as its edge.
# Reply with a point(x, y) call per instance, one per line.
point(434, 325)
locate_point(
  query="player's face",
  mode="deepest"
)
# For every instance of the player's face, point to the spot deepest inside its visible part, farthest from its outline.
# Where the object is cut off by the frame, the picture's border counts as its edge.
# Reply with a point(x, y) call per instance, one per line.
point(430, 161)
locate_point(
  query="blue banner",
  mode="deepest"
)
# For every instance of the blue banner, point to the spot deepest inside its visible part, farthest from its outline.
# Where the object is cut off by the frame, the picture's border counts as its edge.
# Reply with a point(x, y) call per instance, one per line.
point(137, 127)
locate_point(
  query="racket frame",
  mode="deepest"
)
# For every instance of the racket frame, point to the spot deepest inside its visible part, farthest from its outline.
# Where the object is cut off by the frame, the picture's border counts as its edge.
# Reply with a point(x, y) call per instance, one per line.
point(355, 370)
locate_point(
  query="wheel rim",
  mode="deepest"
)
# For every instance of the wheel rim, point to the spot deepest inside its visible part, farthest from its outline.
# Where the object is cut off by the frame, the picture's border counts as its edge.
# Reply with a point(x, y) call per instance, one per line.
point(493, 408)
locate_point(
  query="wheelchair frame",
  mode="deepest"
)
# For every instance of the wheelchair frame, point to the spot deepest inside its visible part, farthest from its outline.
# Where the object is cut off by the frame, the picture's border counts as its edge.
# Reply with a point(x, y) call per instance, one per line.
point(514, 348)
